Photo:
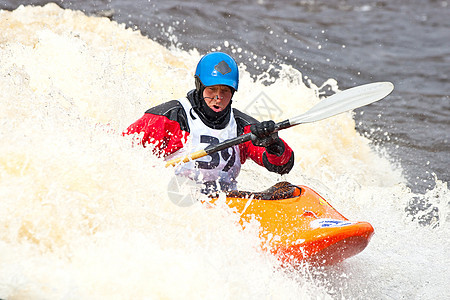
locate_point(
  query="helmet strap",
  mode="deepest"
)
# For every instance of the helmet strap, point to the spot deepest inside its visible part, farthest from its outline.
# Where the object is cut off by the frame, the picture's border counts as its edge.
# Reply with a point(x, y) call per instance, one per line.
point(199, 86)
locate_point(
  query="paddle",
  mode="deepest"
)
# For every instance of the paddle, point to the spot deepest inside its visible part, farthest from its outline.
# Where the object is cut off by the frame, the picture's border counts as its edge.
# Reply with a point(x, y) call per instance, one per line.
point(338, 103)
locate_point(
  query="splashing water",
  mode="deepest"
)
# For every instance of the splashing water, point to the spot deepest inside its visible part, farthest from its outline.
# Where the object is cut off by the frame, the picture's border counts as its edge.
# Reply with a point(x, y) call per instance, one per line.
point(83, 214)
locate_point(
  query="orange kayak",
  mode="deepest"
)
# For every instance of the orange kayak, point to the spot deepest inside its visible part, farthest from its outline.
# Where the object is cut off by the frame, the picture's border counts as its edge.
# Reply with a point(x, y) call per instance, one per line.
point(298, 225)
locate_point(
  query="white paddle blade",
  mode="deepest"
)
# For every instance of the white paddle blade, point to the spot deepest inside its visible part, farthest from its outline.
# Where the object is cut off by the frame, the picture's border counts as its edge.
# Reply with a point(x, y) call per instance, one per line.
point(344, 101)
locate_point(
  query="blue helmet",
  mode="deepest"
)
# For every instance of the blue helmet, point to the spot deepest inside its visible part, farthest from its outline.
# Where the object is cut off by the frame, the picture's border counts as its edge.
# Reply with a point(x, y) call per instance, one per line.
point(217, 68)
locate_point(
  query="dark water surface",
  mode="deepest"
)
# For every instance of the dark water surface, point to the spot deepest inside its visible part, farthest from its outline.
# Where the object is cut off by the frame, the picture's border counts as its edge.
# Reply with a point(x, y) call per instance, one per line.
point(354, 42)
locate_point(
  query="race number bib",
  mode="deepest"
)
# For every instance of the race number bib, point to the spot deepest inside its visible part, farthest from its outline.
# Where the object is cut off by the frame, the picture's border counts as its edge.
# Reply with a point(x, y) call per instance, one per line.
point(223, 166)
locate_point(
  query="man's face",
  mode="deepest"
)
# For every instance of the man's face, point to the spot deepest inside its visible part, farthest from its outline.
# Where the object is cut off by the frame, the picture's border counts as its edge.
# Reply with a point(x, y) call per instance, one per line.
point(217, 97)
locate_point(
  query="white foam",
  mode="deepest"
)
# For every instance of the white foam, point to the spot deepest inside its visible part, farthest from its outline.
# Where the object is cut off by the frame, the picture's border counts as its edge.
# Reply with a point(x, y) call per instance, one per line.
point(83, 214)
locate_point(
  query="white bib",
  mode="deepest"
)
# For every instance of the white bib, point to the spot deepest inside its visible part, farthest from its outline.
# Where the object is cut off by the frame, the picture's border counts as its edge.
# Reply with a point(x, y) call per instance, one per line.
point(221, 167)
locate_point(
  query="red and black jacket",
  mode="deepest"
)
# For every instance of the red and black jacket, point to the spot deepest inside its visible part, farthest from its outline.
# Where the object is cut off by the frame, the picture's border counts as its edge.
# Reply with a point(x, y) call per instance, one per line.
point(166, 126)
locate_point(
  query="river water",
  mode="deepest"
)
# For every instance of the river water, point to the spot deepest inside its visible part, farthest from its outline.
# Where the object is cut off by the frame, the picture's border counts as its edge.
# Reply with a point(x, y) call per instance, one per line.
point(85, 215)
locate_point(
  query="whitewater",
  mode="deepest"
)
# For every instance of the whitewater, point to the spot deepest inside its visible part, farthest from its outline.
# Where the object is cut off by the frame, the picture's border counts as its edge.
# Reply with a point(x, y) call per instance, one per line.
point(84, 213)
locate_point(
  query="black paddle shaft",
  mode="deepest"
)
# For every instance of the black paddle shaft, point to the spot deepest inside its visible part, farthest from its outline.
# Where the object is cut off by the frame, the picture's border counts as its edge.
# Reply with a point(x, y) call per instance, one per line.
point(243, 138)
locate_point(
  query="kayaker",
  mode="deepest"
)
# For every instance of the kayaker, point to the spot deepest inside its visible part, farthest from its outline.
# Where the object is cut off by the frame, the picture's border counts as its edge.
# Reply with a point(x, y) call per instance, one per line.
point(204, 117)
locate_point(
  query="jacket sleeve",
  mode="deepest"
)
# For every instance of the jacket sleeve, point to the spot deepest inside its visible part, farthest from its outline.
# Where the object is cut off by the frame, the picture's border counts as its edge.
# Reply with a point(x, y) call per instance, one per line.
point(279, 164)
point(164, 127)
